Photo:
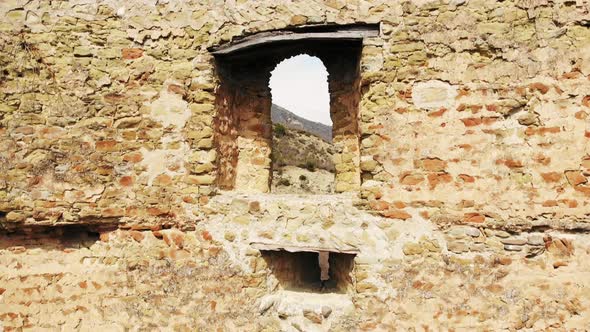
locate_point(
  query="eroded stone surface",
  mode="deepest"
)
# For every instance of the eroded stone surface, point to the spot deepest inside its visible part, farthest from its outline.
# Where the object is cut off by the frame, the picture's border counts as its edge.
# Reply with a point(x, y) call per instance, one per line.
point(470, 148)
point(434, 95)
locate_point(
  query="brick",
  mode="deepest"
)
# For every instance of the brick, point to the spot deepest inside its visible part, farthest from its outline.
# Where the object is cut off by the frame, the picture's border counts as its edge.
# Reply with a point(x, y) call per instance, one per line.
point(551, 176)
point(131, 53)
point(473, 218)
point(433, 164)
point(575, 178)
point(106, 146)
point(126, 181)
point(438, 178)
point(411, 179)
point(396, 214)
point(539, 87)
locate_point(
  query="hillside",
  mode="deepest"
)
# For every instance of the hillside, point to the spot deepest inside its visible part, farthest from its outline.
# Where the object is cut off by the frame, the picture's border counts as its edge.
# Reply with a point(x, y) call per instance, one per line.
point(283, 116)
point(302, 161)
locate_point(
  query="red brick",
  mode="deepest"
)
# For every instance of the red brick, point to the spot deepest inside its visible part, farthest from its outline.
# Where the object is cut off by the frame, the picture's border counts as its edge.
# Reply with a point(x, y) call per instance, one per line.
point(131, 53)
point(489, 120)
point(583, 189)
point(491, 108)
point(189, 199)
point(571, 203)
point(521, 90)
point(467, 178)
point(474, 217)
point(539, 87)
point(399, 204)
point(137, 235)
point(571, 75)
point(411, 178)
point(379, 205)
point(203, 199)
point(433, 164)
point(542, 159)
point(542, 131)
point(551, 176)
point(163, 180)
point(581, 115)
point(510, 163)
point(575, 178)
point(126, 181)
point(438, 113)
point(133, 157)
point(106, 146)
point(154, 211)
point(471, 122)
point(206, 236)
point(435, 179)
point(475, 108)
point(396, 214)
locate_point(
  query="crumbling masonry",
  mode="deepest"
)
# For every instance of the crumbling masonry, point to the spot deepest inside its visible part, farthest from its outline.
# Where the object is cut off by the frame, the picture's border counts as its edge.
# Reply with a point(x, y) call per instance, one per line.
point(135, 166)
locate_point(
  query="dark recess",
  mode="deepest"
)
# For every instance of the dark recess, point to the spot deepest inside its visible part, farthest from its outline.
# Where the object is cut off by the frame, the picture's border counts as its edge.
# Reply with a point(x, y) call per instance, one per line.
point(300, 271)
point(60, 236)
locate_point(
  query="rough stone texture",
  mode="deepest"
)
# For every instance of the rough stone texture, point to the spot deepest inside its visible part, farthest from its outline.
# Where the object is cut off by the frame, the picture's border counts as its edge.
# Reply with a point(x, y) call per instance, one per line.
point(462, 140)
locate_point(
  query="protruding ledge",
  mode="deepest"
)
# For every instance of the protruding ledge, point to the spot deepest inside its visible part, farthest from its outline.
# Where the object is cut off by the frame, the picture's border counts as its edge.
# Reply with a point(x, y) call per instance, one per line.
point(292, 248)
point(322, 32)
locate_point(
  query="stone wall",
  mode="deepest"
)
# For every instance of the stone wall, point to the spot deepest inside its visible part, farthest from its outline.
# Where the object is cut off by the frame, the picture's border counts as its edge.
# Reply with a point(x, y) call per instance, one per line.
point(489, 118)
point(470, 110)
point(464, 152)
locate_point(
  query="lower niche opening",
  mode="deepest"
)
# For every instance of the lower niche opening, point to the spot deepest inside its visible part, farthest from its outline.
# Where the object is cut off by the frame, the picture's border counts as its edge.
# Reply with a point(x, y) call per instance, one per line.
point(58, 236)
point(301, 271)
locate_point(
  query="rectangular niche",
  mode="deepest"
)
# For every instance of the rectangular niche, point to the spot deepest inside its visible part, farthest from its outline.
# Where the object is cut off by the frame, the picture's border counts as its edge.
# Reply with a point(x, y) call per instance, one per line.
point(300, 271)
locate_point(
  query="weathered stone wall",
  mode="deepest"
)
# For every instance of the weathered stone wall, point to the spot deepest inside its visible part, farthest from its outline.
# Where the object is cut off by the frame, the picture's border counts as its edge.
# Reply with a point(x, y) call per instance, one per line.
point(472, 139)
point(473, 110)
point(479, 114)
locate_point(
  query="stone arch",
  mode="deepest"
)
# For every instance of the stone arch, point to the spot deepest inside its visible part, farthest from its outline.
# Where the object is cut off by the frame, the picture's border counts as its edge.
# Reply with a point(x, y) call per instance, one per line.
point(243, 128)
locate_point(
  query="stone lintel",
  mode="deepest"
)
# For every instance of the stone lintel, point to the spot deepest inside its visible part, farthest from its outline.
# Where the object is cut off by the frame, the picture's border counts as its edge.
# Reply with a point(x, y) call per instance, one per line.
point(346, 32)
point(296, 248)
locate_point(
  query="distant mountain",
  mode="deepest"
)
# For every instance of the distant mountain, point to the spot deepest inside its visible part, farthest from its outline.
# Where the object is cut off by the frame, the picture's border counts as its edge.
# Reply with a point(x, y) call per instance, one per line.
point(294, 147)
point(288, 119)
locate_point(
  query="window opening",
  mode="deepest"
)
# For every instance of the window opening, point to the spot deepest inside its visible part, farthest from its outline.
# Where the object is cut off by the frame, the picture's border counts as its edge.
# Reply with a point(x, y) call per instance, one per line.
point(302, 149)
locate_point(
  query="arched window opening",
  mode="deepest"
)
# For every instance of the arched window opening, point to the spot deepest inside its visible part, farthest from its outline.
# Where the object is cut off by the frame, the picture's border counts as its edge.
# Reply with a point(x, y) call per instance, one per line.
point(244, 133)
point(302, 149)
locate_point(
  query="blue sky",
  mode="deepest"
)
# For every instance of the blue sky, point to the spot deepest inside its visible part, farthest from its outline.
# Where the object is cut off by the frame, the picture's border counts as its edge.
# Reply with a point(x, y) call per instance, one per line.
point(300, 84)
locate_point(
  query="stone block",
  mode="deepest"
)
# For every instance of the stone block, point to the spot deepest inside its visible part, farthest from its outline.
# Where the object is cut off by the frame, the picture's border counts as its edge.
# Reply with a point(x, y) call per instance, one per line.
point(412, 248)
